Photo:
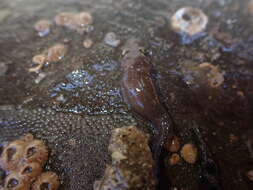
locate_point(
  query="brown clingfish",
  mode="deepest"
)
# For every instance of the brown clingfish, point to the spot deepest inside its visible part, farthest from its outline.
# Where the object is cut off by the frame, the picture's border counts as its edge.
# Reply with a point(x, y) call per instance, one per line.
point(139, 92)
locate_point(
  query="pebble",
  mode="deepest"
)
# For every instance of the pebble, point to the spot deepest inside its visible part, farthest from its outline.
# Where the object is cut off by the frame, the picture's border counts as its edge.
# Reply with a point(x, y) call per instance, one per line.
point(189, 20)
point(111, 39)
point(56, 53)
point(42, 27)
point(3, 69)
point(174, 159)
point(189, 153)
point(87, 43)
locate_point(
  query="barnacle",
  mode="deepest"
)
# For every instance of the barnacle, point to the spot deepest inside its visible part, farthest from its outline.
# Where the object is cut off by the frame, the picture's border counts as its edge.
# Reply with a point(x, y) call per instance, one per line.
point(174, 159)
point(21, 163)
point(87, 43)
point(83, 18)
point(47, 180)
point(215, 76)
point(39, 59)
point(42, 27)
point(12, 155)
point(111, 39)
point(65, 19)
point(15, 181)
point(54, 54)
point(189, 20)
point(31, 170)
point(74, 21)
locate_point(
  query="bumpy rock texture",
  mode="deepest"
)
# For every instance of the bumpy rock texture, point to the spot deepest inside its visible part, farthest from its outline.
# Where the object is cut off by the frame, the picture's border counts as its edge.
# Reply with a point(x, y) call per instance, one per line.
point(21, 163)
point(78, 103)
point(132, 164)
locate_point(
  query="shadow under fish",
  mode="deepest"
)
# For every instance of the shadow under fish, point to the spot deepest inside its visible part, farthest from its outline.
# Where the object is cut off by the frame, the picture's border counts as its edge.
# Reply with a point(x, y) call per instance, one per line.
point(209, 178)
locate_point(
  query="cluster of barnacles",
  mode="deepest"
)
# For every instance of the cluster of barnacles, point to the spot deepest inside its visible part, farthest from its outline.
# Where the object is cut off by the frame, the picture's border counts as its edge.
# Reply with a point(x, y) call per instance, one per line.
point(80, 22)
point(21, 165)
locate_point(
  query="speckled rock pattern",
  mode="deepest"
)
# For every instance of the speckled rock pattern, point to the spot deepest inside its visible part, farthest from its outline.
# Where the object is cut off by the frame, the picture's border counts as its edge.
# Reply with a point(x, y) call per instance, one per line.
point(73, 105)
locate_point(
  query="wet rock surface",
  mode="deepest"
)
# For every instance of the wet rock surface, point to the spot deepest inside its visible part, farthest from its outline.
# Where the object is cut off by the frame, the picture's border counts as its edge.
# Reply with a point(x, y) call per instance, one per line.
point(85, 84)
point(132, 164)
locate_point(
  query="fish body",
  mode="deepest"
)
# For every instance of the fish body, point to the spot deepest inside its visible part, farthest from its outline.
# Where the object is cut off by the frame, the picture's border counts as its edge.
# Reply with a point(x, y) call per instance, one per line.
point(140, 93)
